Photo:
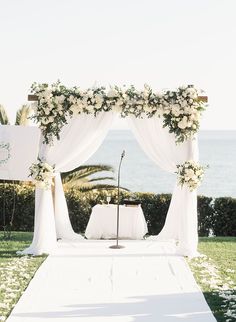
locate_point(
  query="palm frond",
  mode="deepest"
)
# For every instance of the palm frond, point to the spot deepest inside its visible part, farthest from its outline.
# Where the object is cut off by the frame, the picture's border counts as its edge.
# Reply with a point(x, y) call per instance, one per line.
point(22, 115)
point(79, 178)
point(3, 116)
point(101, 178)
point(84, 171)
point(86, 188)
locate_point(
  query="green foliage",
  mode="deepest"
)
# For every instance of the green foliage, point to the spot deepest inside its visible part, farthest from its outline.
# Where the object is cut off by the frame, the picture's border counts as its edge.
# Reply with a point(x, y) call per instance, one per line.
point(155, 208)
point(3, 116)
point(79, 209)
point(17, 206)
point(205, 215)
point(81, 179)
point(22, 115)
point(224, 221)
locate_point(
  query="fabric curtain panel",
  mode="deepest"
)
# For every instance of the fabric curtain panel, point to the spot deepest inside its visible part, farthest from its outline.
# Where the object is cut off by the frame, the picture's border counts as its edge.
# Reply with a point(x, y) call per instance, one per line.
point(160, 146)
point(79, 140)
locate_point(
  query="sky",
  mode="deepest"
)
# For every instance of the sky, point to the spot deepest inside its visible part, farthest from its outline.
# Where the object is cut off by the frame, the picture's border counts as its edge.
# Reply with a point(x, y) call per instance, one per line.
point(165, 44)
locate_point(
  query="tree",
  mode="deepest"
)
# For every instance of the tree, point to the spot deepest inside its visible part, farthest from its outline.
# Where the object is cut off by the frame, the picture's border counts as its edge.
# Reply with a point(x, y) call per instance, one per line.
point(22, 115)
point(3, 116)
point(81, 178)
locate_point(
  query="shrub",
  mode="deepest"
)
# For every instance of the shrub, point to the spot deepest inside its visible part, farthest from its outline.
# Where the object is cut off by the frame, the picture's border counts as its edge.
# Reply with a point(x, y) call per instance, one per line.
point(155, 208)
point(224, 221)
point(16, 206)
point(218, 215)
point(205, 215)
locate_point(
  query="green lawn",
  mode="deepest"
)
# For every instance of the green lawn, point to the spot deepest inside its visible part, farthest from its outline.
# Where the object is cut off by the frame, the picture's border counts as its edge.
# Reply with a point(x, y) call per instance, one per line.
point(215, 273)
point(15, 271)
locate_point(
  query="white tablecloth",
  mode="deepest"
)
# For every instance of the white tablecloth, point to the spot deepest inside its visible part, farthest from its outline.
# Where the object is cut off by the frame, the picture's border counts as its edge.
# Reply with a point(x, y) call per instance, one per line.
point(102, 222)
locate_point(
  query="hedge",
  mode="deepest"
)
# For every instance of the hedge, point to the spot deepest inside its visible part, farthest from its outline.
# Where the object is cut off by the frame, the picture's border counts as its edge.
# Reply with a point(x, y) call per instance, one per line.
point(224, 219)
point(217, 216)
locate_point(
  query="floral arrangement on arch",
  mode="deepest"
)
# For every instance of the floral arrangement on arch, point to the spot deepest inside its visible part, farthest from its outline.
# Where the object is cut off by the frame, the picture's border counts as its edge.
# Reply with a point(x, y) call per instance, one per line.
point(180, 109)
point(42, 174)
point(190, 173)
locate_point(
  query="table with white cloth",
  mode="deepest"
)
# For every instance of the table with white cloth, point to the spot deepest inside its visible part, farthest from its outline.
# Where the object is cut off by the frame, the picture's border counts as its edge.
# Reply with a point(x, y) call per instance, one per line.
point(103, 219)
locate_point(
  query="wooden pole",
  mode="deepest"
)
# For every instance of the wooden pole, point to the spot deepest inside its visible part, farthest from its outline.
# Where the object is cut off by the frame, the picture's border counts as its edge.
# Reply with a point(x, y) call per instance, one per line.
point(33, 98)
point(53, 193)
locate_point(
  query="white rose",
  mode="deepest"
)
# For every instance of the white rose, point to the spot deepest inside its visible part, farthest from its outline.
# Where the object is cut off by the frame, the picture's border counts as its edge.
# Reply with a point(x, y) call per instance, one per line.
point(90, 108)
point(183, 123)
point(47, 111)
point(112, 93)
point(50, 119)
point(117, 108)
point(176, 110)
point(71, 99)
point(99, 99)
point(90, 93)
point(98, 105)
point(184, 103)
point(61, 98)
point(119, 102)
point(75, 109)
point(50, 106)
point(190, 173)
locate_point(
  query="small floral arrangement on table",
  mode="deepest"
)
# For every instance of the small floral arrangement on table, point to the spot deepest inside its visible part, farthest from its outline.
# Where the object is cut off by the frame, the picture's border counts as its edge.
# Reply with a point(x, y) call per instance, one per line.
point(190, 173)
point(42, 174)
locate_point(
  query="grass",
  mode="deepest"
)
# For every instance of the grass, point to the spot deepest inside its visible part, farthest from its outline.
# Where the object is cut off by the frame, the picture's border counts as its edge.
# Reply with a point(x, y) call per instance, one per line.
point(216, 275)
point(15, 271)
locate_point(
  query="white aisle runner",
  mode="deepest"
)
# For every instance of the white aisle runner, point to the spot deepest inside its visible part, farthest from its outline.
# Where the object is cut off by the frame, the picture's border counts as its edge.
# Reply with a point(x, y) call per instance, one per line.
point(89, 282)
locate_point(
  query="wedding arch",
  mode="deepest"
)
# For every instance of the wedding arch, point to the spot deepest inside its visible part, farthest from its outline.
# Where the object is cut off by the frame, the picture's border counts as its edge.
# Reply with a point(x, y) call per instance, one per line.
point(74, 123)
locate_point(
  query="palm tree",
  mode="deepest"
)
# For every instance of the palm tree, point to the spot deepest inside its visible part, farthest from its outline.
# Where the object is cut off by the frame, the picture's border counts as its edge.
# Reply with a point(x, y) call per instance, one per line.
point(3, 116)
point(22, 115)
point(81, 178)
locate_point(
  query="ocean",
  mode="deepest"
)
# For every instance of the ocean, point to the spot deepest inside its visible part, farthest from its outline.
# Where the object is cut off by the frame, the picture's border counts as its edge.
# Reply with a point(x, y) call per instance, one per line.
point(138, 173)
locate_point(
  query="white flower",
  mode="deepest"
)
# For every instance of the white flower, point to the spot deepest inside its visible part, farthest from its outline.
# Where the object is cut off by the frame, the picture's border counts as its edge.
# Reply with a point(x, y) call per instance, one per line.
point(183, 123)
point(117, 108)
point(98, 98)
point(112, 93)
point(90, 108)
point(176, 110)
point(90, 93)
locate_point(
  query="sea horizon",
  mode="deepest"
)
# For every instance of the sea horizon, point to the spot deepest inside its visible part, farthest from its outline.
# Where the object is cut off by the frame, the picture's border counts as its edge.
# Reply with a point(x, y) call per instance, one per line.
point(217, 148)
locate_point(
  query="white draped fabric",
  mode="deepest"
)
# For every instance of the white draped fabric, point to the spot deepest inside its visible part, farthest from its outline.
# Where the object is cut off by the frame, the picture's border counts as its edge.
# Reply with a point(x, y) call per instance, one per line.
point(79, 139)
point(160, 146)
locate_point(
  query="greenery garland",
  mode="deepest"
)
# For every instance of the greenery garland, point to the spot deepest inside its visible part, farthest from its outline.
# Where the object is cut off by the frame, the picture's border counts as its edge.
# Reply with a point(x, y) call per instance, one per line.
point(180, 109)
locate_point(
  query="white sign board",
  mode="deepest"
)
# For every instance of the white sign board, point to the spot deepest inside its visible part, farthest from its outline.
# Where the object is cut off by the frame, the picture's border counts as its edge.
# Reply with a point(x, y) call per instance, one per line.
point(18, 150)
